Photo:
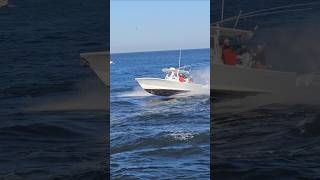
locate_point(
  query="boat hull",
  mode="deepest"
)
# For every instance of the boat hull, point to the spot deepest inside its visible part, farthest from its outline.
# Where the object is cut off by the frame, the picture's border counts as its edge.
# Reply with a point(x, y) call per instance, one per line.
point(164, 92)
point(162, 87)
point(234, 80)
point(98, 62)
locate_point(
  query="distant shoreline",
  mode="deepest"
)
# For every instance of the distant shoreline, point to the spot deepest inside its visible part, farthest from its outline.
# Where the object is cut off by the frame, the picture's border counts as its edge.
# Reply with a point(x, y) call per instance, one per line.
point(150, 51)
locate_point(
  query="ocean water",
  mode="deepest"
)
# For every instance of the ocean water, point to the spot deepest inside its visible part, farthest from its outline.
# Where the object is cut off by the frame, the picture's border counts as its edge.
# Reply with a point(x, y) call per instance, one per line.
point(271, 136)
point(156, 137)
point(53, 116)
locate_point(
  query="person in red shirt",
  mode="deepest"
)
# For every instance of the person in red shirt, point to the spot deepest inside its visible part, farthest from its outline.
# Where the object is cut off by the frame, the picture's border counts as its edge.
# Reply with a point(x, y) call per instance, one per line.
point(229, 56)
point(181, 78)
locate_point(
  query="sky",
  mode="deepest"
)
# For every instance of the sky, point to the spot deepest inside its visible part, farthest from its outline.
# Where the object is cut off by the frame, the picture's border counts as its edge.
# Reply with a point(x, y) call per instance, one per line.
point(154, 25)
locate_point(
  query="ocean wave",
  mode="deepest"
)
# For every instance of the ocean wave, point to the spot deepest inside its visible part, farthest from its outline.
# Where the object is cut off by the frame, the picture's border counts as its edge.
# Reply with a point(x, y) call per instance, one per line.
point(164, 139)
point(39, 130)
point(35, 90)
point(175, 152)
point(310, 127)
point(81, 174)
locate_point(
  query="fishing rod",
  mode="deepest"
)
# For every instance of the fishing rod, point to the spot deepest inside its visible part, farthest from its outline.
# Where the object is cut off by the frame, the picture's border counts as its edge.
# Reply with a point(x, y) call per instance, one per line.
point(280, 7)
point(180, 58)
point(267, 11)
point(275, 12)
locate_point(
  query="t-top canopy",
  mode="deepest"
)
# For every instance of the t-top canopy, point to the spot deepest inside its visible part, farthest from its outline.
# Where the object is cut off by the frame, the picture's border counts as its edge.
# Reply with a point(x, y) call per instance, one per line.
point(231, 32)
point(182, 70)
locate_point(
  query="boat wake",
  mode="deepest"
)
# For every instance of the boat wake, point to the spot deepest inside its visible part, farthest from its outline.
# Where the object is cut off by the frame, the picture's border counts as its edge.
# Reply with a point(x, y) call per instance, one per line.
point(202, 76)
point(139, 92)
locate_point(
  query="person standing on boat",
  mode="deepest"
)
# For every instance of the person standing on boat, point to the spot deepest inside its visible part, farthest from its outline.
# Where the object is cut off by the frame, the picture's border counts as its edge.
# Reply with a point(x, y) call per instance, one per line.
point(182, 78)
point(229, 55)
point(245, 57)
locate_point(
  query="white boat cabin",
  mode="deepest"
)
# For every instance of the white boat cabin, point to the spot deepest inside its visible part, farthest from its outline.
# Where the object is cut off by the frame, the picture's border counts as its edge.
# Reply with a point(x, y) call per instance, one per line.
point(181, 74)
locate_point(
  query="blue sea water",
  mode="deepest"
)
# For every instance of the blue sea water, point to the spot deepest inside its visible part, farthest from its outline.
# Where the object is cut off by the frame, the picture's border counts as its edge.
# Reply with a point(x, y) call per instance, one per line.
point(156, 137)
point(52, 124)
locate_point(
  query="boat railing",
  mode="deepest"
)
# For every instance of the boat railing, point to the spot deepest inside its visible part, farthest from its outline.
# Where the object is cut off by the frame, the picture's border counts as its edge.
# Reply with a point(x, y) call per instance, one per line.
point(185, 69)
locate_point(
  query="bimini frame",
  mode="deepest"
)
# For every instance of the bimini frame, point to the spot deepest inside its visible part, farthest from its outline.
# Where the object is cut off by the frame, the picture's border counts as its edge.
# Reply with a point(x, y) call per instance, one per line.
point(219, 30)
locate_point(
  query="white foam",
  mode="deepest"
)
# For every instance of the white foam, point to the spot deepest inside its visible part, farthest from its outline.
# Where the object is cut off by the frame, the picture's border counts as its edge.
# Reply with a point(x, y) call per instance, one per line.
point(182, 136)
point(201, 76)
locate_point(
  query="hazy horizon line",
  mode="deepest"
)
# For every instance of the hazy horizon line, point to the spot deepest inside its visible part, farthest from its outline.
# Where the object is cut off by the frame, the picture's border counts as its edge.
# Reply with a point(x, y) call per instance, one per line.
point(125, 52)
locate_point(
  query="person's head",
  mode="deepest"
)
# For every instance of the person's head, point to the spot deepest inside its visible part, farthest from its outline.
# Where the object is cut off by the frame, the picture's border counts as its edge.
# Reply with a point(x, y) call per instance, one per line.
point(226, 42)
